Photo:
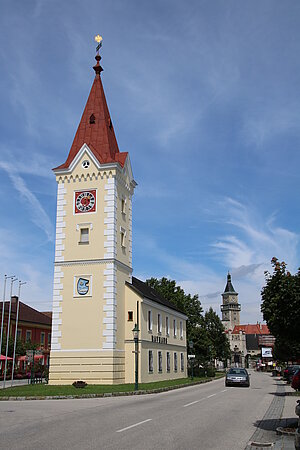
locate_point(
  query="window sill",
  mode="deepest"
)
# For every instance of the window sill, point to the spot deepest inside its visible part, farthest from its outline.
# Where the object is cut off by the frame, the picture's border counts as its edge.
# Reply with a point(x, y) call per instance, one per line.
point(83, 243)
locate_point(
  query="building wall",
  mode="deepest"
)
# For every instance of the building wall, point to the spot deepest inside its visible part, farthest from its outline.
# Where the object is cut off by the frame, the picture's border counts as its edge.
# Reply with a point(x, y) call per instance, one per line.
point(154, 340)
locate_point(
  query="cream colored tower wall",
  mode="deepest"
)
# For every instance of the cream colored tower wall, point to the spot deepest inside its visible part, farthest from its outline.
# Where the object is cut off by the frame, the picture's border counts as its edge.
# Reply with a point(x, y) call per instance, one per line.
point(88, 332)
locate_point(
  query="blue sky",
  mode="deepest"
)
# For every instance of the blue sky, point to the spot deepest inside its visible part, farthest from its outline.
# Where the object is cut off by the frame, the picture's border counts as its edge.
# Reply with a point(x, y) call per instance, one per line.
point(204, 96)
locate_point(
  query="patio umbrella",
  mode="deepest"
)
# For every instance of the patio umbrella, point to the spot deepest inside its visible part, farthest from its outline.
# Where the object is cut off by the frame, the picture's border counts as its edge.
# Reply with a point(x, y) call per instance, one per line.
point(2, 358)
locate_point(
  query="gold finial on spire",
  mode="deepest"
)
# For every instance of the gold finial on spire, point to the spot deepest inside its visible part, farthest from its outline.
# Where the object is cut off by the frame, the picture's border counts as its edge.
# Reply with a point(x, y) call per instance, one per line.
point(98, 39)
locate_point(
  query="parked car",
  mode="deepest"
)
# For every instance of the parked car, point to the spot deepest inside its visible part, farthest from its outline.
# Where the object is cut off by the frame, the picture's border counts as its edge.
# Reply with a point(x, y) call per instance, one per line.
point(237, 376)
point(289, 372)
point(296, 381)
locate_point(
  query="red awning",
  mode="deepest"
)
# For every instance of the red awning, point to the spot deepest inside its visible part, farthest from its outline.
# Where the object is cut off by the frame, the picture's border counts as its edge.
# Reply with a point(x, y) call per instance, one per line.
point(2, 358)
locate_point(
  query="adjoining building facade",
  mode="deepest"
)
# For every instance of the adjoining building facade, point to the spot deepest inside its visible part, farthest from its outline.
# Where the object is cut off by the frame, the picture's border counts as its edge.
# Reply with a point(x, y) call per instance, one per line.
point(96, 301)
point(33, 326)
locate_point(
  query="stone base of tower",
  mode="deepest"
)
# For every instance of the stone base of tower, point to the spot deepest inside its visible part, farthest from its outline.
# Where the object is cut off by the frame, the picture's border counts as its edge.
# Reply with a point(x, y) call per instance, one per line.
point(92, 367)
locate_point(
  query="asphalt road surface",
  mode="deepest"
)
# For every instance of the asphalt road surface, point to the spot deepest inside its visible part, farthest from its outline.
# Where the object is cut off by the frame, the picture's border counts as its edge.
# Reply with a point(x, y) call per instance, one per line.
point(207, 416)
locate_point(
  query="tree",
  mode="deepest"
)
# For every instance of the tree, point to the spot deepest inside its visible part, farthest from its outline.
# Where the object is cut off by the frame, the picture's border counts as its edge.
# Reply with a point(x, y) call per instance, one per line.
point(281, 309)
point(206, 332)
point(190, 305)
point(218, 342)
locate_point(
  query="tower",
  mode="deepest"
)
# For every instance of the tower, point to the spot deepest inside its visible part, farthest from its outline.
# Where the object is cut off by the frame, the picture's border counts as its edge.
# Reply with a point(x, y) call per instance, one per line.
point(230, 307)
point(93, 251)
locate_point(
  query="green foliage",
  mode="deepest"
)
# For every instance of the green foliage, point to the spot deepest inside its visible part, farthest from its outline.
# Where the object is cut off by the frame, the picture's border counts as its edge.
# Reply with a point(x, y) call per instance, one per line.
point(206, 332)
point(281, 309)
point(190, 305)
point(21, 347)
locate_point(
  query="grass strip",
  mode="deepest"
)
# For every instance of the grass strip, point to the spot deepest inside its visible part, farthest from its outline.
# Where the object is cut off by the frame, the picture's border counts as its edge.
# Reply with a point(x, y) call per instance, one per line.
point(45, 390)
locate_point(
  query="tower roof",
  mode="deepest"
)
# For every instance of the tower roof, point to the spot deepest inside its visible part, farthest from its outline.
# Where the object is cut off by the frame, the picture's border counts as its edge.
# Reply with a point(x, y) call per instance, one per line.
point(95, 128)
point(229, 287)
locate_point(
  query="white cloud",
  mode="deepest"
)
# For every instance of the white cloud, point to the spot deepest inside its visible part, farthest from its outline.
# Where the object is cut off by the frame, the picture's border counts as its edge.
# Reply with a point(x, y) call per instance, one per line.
point(38, 215)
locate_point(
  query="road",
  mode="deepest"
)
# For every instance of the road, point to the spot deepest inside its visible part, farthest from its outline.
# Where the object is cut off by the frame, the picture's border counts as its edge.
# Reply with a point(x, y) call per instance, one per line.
point(207, 416)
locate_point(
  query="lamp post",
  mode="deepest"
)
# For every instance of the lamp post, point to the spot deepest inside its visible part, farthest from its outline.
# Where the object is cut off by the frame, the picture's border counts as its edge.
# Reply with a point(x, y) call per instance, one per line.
point(191, 344)
point(3, 309)
point(16, 331)
point(8, 326)
point(136, 352)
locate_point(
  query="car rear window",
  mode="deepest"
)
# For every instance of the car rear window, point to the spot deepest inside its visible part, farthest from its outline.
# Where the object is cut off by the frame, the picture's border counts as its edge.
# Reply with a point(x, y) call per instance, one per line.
point(238, 371)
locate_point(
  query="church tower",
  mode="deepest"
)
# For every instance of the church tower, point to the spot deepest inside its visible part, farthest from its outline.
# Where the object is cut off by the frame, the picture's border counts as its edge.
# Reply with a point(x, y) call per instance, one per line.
point(230, 307)
point(93, 251)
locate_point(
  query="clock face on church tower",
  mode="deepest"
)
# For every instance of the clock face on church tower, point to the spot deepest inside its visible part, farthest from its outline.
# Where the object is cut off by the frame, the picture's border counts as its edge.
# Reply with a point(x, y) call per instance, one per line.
point(85, 201)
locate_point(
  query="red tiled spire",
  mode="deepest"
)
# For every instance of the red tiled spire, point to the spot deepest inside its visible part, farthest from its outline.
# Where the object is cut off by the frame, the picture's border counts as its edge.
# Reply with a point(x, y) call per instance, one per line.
point(95, 128)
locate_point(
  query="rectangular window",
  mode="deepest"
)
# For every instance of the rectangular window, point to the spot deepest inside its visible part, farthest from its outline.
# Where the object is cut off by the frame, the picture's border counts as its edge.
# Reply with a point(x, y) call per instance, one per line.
point(150, 361)
point(28, 335)
point(182, 362)
point(175, 362)
point(181, 329)
point(84, 235)
point(168, 362)
point(49, 340)
point(123, 205)
point(175, 328)
point(123, 236)
point(150, 320)
point(160, 362)
point(158, 323)
point(167, 326)
point(42, 338)
point(130, 316)
point(19, 334)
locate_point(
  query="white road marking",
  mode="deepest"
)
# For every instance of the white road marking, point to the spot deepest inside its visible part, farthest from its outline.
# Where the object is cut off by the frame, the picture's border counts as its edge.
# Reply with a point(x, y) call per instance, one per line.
point(192, 403)
point(197, 401)
point(132, 426)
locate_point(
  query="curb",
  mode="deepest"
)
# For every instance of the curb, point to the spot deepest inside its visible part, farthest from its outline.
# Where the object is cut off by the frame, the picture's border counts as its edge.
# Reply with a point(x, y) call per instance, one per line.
point(108, 394)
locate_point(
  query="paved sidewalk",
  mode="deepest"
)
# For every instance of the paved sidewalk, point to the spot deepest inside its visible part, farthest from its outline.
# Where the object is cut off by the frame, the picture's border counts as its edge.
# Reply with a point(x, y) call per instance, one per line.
point(281, 413)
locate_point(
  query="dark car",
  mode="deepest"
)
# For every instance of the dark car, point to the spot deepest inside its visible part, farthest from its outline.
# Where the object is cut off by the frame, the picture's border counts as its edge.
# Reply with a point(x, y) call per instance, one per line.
point(237, 377)
point(289, 372)
point(296, 381)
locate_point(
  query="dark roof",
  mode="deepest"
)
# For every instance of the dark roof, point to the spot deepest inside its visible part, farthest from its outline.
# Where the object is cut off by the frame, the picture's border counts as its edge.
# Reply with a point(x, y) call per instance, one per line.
point(144, 290)
point(229, 287)
point(26, 313)
point(252, 342)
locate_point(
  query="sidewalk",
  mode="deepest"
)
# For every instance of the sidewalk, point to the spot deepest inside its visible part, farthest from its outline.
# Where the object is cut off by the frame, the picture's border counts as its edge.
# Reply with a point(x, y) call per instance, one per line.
point(281, 413)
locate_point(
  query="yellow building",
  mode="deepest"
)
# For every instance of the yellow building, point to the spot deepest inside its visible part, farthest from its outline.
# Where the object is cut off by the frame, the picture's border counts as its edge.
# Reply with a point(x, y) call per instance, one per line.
point(96, 301)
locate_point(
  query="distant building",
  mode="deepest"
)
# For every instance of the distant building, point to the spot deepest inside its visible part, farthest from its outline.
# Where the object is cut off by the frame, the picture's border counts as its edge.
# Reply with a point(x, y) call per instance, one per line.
point(33, 325)
point(245, 340)
point(230, 307)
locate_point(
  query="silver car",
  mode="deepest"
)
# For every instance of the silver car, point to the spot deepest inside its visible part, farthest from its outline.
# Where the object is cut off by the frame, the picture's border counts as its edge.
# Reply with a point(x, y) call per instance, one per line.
point(237, 377)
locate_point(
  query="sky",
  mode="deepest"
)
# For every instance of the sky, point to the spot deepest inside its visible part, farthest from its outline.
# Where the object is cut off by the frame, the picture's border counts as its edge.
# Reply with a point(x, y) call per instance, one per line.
point(204, 95)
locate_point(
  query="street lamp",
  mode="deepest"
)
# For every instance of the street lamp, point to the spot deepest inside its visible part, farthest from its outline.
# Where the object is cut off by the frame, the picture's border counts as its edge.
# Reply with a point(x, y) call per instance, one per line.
point(191, 344)
point(135, 332)
point(16, 331)
point(13, 279)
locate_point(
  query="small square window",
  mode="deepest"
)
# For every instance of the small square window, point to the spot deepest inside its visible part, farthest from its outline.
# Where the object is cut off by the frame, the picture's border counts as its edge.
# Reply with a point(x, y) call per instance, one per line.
point(84, 235)
point(130, 316)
